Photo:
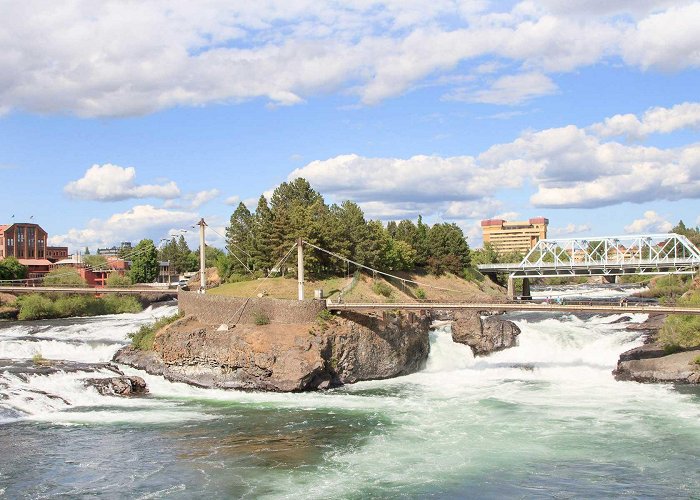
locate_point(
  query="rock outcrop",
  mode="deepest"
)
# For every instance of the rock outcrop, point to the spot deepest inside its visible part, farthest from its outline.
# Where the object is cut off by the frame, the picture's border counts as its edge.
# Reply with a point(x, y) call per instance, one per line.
point(483, 333)
point(650, 363)
point(286, 357)
point(118, 386)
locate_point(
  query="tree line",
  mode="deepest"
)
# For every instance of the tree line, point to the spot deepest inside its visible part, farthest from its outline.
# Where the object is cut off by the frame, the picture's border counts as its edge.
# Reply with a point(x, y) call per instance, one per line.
point(258, 240)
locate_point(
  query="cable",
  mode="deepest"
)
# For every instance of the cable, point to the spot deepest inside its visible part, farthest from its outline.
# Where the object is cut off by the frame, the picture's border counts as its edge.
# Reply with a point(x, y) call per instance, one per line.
point(380, 272)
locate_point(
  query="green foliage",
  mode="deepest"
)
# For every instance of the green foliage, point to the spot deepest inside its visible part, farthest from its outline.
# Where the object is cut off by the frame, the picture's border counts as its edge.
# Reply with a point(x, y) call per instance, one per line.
point(36, 306)
point(682, 330)
point(295, 210)
point(420, 294)
point(261, 318)
point(144, 264)
point(95, 261)
point(39, 359)
point(473, 274)
point(11, 269)
point(115, 280)
point(325, 315)
point(667, 288)
point(178, 253)
point(143, 338)
point(66, 276)
point(696, 361)
point(381, 289)
point(693, 234)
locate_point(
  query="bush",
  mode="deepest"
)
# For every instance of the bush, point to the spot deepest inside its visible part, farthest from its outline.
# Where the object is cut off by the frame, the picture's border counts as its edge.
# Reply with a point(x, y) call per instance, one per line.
point(473, 274)
point(260, 318)
point(420, 294)
point(144, 337)
point(37, 306)
point(381, 289)
point(696, 361)
point(325, 315)
point(680, 330)
point(65, 277)
point(115, 280)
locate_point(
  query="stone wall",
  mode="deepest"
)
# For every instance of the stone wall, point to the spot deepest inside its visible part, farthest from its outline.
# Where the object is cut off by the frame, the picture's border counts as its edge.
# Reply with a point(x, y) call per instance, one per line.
point(219, 309)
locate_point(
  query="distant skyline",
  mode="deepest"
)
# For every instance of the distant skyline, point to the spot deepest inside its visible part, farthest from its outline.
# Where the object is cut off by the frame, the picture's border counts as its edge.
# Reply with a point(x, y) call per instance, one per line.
point(120, 121)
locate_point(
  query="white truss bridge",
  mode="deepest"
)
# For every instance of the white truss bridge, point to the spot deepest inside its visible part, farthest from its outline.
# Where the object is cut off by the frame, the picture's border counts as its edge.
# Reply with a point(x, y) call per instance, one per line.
point(609, 256)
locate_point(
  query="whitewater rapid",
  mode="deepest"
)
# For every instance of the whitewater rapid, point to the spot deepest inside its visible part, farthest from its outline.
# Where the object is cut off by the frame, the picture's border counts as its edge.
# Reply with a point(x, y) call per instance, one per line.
point(545, 418)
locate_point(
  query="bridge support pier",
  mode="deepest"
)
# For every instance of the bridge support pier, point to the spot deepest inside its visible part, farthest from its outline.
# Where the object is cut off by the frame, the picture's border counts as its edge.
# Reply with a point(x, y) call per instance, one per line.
point(511, 288)
point(526, 290)
point(608, 278)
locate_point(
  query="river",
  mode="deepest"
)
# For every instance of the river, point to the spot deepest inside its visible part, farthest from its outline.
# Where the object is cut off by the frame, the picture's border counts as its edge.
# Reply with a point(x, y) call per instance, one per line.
point(543, 419)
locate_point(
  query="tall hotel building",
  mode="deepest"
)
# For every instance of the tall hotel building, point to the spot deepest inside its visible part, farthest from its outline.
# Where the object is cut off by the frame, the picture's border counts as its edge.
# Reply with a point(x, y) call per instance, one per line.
point(516, 236)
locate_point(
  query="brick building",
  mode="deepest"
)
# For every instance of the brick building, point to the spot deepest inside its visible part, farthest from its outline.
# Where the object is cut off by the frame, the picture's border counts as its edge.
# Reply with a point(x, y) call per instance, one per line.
point(27, 243)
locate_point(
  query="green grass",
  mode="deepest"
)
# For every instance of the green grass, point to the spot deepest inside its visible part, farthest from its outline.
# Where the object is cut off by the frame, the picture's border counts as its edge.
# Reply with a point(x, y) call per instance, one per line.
point(682, 330)
point(261, 318)
point(382, 289)
point(280, 288)
point(144, 337)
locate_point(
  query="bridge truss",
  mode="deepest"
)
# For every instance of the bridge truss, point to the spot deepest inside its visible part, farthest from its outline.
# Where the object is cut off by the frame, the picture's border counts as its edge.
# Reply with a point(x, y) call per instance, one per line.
point(667, 253)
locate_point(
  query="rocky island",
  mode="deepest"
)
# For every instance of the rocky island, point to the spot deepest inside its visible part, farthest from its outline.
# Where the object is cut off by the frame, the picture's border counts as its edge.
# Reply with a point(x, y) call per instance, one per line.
point(289, 346)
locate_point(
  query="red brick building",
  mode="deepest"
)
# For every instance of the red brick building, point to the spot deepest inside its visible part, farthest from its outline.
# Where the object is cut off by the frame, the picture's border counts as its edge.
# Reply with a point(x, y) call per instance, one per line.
point(27, 243)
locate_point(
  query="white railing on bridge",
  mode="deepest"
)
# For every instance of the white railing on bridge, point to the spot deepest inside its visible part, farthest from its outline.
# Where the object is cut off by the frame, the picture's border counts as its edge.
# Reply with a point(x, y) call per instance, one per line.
point(643, 254)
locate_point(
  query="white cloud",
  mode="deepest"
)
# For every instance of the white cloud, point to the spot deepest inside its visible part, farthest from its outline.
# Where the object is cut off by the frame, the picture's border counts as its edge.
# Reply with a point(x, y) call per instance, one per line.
point(142, 221)
point(193, 200)
point(512, 89)
point(651, 222)
point(569, 229)
point(111, 182)
point(103, 59)
point(654, 120)
point(233, 200)
point(566, 166)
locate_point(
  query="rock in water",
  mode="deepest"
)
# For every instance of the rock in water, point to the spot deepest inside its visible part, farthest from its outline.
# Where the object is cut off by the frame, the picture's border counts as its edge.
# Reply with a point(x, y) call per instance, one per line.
point(287, 357)
point(649, 363)
point(118, 386)
point(484, 335)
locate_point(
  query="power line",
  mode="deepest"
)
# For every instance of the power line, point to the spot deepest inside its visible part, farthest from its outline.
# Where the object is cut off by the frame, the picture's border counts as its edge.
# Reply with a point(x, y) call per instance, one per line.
point(405, 280)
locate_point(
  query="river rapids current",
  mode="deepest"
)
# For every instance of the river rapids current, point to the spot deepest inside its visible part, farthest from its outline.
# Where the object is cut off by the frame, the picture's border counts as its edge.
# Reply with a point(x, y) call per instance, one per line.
point(544, 419)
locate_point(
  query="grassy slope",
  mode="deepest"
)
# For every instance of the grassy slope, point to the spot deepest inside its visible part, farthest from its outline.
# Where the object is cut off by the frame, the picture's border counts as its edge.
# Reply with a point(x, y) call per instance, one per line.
point(286, 288)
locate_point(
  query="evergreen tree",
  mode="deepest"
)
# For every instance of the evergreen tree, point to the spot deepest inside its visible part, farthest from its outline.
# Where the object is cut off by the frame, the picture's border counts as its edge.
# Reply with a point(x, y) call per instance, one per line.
point(262, 251)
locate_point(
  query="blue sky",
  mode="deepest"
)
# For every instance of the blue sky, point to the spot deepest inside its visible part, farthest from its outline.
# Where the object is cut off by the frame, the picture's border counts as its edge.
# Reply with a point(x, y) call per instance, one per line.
point(120, 121)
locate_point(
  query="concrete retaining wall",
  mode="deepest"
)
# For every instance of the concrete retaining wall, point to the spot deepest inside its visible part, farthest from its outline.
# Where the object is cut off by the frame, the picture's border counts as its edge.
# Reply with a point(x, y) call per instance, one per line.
point(219, 309)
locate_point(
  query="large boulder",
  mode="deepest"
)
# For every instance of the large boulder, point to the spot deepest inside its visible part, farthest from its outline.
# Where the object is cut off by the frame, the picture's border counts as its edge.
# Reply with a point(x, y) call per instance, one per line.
point(118, 386)
point(650, 363)
point(286, 357)
point(483, 332)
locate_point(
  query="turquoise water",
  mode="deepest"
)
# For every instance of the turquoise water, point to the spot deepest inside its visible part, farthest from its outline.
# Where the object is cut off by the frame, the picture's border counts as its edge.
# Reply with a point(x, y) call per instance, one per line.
point(544, 419)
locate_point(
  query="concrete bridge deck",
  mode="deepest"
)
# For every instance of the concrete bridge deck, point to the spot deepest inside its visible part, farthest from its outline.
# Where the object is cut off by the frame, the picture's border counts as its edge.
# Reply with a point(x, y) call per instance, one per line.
point(516, 306)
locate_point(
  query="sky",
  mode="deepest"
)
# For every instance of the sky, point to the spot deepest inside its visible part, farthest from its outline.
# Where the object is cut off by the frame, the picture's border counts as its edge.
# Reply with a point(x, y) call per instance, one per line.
point(122, 120)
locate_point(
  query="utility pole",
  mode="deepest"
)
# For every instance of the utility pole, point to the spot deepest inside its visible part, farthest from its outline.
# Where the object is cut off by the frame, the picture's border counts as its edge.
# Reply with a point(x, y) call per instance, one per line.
point(300, 267)
point(202, 257)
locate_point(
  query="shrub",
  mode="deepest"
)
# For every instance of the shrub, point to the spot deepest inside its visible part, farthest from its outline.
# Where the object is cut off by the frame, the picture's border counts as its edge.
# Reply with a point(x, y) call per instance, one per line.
point(680, 330)
point(144, 337)
point(325, 315)
point(473, 274)
point(38, 359)
point(115, 280)
point(381, 289)
point(261, 318)
point(35, 306)
point(697, 360)
point(420, 294)
point(65, 277)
